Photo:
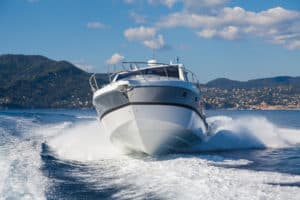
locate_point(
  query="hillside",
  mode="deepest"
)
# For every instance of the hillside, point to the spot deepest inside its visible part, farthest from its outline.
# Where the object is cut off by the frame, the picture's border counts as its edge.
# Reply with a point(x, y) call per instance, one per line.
point(255, 83)
point(281, 92)
point(39, 82)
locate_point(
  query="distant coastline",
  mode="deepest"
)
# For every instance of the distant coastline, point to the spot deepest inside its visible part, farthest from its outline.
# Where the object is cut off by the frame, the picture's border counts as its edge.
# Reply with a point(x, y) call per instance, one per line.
point(277, 97)
point(34, 81)
point(279, 107)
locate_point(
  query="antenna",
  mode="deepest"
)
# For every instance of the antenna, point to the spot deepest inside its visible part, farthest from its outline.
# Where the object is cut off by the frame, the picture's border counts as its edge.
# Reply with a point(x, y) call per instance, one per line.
point(177, 59)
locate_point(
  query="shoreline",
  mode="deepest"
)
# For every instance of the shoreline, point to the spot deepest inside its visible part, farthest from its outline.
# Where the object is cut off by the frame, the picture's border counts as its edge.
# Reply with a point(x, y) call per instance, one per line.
point(91, 108)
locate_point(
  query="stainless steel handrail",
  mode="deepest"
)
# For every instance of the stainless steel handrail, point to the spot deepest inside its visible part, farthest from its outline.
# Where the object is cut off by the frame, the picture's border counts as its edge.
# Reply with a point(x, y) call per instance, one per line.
point(135, 66)
point(194, 77)
point(93, 83)
point(138, 62)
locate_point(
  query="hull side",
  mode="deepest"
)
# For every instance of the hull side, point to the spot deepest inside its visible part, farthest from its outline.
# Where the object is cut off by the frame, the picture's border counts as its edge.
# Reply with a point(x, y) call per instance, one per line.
point(116, 98)
point(154, 129)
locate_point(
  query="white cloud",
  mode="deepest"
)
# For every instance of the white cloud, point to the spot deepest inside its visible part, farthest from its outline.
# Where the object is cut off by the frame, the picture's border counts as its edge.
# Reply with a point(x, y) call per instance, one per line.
point(268, 17)
point(293, 45)
point(96, 25)
point(139, 19)
point(277, 25)
point(208, 2)
point(211, 19)
point(207, 33)
point(181, 19)
point(140, 33)
point(228, 16)
point(168, 3)
point(145, 35)
point(228, 33)
point(155, 43)
point(114, 59)
point(202, 5)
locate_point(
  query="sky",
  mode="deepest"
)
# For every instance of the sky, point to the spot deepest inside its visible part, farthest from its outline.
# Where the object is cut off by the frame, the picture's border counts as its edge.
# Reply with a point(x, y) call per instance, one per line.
point(236, 39)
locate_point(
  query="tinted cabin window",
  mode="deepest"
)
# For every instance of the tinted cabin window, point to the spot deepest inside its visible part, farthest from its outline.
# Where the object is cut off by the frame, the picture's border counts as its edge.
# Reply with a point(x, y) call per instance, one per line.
point(127, 75)
point(163, 71)
point(170, 71)
point(173, 72)
point(155, 71)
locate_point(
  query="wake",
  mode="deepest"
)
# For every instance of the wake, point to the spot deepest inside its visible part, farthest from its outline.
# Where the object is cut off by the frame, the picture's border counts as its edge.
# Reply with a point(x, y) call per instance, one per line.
point(83, 142)
point(88, 141)
point(183, 176)
point(246, 133)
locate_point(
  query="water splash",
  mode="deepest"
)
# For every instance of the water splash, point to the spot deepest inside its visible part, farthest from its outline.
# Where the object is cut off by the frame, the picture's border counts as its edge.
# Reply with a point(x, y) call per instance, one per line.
point(247, 133)
point(20, 162)
point(181, 176)
point(88, 141)
point(83, 142)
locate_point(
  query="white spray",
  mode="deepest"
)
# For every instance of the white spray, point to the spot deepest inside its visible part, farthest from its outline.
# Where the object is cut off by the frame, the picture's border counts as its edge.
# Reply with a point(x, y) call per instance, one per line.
point(88, 141)
point(83, 142)
point(247, 133)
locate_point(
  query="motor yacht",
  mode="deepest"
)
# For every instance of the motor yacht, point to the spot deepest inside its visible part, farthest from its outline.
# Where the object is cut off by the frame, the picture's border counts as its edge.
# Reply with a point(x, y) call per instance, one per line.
point(151, 107)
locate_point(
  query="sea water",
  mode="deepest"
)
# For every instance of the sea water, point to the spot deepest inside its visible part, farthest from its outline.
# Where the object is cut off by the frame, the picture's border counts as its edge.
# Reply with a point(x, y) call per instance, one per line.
point(66, 154)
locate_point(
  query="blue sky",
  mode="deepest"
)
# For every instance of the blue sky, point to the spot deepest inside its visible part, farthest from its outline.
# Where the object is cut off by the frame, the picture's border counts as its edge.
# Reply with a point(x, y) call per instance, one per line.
point(237, 39)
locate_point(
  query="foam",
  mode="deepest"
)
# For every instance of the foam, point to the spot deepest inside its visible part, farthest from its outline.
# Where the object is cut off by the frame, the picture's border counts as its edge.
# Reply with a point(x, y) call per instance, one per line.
point(21, 177)
point(87, 141)
point(83, 142)
point(187, 177)
point(246, 133)
point(20, 161)
point(165, 177)
point(183, 176)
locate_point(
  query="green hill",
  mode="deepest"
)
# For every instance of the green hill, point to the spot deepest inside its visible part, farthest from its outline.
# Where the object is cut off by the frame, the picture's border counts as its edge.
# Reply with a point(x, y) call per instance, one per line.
point(39, 82)
point(255, 83)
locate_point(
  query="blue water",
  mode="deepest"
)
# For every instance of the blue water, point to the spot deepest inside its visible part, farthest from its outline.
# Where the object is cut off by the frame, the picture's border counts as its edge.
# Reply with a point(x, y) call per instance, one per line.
point(65, 154)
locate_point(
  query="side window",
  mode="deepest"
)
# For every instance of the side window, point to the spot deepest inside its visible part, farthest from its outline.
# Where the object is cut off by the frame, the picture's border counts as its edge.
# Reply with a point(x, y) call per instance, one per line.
point(170, 71)
point(127, 75)
point(173, 72)
point(164, 71)
point(156, 71)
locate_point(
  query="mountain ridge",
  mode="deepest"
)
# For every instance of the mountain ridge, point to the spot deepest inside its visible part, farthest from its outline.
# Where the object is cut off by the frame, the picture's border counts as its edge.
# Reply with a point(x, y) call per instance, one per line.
point(35, 81)
point(226, 83)
point(39, 82)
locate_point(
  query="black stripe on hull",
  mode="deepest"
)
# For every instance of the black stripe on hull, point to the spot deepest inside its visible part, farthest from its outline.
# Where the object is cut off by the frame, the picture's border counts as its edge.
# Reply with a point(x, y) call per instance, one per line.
point(156, 103)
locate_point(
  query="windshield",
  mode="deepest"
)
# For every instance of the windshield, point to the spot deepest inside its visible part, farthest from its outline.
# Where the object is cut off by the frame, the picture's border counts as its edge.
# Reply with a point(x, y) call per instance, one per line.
point(169, 71)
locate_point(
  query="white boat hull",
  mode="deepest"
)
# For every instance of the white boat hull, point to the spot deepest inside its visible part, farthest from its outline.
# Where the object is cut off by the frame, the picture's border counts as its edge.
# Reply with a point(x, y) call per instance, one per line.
point(154, 129)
